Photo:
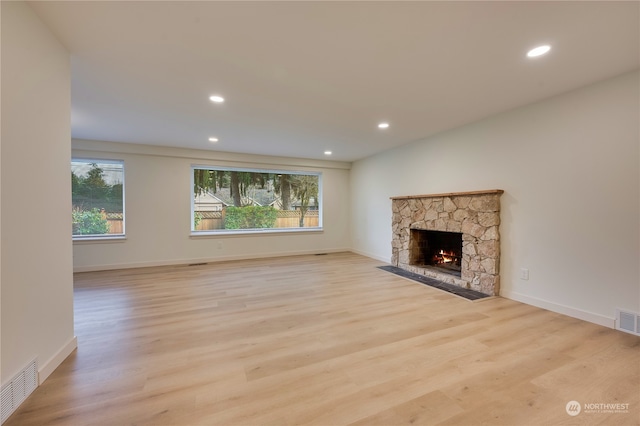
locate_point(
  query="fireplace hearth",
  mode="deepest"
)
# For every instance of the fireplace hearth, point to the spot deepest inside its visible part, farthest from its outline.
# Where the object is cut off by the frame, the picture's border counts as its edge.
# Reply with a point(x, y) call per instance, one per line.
point(469, 255)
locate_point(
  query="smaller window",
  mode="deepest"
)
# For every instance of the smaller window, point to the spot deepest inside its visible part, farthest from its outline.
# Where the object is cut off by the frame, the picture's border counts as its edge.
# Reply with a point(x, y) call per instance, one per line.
point(97, 194)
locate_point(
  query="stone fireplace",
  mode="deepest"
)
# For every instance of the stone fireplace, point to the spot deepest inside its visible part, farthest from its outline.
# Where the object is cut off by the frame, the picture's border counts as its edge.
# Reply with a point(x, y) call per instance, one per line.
point(451, 237)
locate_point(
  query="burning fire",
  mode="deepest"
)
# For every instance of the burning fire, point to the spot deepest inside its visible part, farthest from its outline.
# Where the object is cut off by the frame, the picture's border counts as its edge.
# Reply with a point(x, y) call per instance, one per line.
point(446, 256)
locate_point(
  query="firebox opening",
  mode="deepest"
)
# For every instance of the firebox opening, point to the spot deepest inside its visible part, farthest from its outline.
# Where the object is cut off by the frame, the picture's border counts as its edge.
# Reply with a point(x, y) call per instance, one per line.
point(437, 250)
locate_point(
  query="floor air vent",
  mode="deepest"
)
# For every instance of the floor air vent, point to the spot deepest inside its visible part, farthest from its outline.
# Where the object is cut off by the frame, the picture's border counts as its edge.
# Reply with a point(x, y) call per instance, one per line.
point(18, 389)
point(628, 321)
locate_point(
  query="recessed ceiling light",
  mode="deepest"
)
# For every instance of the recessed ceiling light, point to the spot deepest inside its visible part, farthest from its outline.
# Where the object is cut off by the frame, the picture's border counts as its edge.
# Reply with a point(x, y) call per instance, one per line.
point(328, 153)
point(217, 99)
point(213, 139)
point(383, 125)
point(538, 51)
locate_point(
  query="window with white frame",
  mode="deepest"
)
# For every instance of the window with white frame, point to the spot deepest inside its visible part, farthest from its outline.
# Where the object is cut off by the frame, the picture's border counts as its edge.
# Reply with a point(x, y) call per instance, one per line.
point(97, 194)
point(234, 200)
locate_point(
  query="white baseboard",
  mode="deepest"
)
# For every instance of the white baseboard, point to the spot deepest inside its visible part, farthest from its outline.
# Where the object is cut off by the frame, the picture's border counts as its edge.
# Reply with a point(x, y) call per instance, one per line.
point(371, 255)
point(93, 268)
point(561, 309)
point(53, 363)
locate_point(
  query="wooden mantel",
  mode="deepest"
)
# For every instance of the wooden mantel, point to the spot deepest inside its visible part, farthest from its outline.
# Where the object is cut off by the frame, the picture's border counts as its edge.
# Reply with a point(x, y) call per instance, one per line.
point(450, 194)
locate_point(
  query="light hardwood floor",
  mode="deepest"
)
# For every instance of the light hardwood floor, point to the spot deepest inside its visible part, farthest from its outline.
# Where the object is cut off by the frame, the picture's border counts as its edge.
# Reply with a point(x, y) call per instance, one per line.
point(324, 340)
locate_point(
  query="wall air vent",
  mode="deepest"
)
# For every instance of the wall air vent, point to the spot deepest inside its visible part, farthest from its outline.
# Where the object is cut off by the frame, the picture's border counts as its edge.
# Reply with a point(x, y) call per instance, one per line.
point(628, 321)
point(18, 389)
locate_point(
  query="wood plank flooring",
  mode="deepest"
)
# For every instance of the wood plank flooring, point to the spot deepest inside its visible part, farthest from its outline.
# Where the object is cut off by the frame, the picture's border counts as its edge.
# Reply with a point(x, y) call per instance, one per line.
point(323, 340)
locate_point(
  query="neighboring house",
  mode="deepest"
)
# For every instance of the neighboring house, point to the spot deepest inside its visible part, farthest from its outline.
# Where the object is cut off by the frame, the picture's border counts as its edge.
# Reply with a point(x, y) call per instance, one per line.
point(208, 202)
point(296, 204)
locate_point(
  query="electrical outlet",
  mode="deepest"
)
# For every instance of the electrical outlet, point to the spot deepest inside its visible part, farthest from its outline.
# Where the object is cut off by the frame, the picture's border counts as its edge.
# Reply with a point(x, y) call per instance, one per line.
point(524, 274)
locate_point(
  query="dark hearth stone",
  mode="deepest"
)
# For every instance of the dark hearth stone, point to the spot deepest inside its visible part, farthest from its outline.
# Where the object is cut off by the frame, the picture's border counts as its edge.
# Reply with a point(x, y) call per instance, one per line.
point(431, 282)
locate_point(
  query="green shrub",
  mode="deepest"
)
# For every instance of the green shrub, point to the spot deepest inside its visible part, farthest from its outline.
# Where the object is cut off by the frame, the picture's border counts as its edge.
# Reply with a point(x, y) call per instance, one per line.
point(197, 218)
point(250, 217)
point(89, 222)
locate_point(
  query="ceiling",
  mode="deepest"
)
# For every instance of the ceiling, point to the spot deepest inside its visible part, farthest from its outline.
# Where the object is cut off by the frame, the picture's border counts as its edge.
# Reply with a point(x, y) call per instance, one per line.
point(300, 78)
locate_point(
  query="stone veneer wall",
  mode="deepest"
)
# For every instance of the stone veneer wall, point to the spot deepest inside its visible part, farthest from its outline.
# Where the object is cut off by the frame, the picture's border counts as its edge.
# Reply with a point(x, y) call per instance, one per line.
point(475, 214)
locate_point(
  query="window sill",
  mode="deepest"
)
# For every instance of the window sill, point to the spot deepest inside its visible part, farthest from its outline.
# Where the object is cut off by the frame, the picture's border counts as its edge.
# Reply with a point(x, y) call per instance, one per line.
point(239, 232)
point(100, 240)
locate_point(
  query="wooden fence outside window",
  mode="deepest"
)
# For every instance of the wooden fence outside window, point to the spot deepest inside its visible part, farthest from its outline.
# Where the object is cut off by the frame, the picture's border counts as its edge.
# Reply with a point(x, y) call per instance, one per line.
point(286, 219)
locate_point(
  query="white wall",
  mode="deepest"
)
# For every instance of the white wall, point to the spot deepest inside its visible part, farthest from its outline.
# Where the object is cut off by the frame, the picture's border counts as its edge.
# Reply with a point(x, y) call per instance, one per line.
point(158, 215)
point(570, 212)
point(36, 278)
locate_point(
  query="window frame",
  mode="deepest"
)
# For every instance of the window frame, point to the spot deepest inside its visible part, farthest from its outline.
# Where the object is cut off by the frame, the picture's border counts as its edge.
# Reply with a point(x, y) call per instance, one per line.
point(104, 237)
point(253, 231)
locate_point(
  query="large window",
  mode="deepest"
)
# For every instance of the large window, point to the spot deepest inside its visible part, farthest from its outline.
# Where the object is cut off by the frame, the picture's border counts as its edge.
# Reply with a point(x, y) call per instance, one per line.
point(230, 200)
point(97, 193)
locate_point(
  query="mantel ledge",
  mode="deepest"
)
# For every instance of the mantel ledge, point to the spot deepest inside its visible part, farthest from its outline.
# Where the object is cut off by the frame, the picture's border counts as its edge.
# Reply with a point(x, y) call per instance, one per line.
point(450, 194)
